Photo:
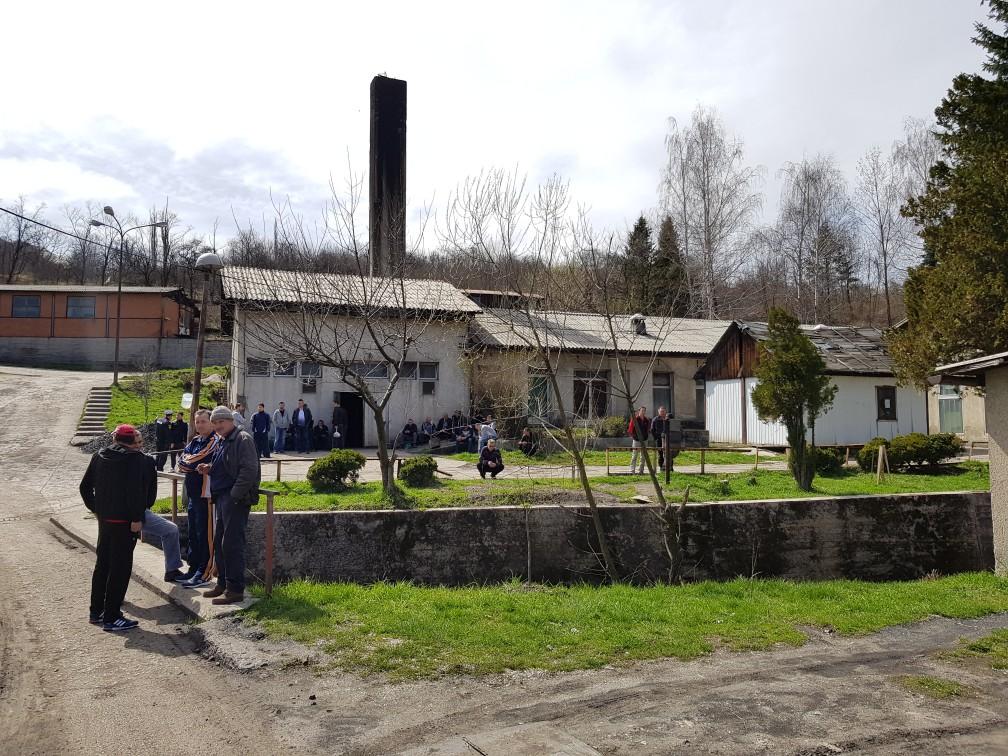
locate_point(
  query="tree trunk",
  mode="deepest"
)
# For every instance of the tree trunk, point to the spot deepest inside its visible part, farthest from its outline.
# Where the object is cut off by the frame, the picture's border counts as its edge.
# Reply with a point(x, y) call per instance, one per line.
point(385, 460)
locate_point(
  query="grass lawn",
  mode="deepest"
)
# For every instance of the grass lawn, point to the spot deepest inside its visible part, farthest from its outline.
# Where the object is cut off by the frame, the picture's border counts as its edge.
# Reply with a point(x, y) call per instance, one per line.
point(992, 648)
point(299, 495)
point(167, 388)
point(409, 631)
point(622, 458)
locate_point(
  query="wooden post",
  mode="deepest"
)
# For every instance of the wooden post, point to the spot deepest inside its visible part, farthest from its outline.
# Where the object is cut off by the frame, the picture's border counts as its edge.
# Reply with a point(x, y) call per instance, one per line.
point(668, 459)
point(756, 466)
point(174, 500)
point(269, 541)
point(607, 472)
point(702, 461)
point(846, 456)
point(883, 464)
point(278, 469)
point(970, 457)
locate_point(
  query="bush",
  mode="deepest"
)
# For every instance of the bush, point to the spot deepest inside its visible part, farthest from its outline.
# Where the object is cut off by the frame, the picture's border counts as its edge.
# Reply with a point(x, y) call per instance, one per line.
point(418, 471)
point(942, 446)
point(867, 457)
point(911, 449)
point(336, 470)
point(613, 426)
point(828, 461)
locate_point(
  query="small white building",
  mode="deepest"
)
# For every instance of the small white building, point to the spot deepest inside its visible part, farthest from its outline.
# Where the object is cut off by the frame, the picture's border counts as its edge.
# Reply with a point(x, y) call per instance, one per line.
point(868, 401)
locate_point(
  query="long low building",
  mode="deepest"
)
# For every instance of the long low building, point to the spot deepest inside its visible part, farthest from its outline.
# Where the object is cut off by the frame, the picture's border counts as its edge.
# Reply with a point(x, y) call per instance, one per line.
point(868, 401)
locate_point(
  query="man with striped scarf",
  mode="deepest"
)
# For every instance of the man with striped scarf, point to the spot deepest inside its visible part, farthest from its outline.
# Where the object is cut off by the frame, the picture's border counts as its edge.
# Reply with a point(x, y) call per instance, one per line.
point(201, 449)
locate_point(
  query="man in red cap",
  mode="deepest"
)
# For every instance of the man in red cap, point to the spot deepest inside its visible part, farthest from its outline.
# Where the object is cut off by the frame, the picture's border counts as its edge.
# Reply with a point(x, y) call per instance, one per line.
point(119, 485)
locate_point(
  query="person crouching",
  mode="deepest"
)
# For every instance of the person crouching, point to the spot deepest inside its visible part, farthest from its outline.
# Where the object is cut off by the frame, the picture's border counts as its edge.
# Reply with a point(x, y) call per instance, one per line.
point(490, 460)
point(234, 488)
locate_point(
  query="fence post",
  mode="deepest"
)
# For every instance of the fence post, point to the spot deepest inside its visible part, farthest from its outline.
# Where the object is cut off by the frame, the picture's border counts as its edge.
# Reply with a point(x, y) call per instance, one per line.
point(607, 472)
point(970, 458)
point(756, 466)
point(174, 500)
point(701, 461)
point(278, 469)
point(269, 542)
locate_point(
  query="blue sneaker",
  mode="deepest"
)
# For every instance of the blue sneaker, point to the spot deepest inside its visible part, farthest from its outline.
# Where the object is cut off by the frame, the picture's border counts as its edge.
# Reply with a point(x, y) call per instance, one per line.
point(196, 581)
point(119, 625)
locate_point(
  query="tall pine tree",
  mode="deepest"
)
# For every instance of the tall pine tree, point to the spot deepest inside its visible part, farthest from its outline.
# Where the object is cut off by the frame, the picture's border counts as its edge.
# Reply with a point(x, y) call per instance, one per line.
point(957, 301)
point(670, 294)
point(637, 266)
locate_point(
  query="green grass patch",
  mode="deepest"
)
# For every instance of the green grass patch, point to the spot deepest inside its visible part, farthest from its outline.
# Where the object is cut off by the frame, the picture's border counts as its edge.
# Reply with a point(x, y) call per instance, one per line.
point(620, 458)
point(992, 649)
point(768, 484)
point(409, 631)
point(127, 406)
point(934, 687)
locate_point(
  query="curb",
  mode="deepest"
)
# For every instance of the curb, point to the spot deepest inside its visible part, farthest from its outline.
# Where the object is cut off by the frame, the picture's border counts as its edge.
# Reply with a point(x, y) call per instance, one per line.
point(189, 602)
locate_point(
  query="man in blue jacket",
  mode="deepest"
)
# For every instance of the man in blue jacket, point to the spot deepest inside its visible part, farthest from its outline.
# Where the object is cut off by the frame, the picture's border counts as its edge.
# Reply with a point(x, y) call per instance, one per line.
point(260, 431)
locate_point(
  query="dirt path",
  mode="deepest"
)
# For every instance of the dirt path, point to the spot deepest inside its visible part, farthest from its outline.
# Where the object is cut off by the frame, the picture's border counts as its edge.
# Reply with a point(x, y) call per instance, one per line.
point(66, 687)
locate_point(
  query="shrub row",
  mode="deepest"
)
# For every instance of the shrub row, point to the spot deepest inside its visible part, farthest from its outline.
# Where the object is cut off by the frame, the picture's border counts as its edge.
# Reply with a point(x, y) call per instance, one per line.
point(911, 449)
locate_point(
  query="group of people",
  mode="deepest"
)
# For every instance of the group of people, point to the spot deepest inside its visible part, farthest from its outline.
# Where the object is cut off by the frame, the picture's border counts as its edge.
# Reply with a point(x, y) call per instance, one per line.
point(644, 430)
point(469, 434)
point(171, 432)
point(221, 467)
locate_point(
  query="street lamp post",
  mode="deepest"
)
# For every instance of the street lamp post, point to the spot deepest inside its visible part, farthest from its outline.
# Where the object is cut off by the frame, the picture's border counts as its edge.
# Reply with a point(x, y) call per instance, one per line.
point(122, 243)
point(208, 263)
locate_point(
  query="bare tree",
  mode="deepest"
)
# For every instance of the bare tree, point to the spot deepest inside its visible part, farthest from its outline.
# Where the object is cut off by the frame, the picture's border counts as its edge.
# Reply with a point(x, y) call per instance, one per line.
point(20, 239)
point(84, 246)
point(714, 196)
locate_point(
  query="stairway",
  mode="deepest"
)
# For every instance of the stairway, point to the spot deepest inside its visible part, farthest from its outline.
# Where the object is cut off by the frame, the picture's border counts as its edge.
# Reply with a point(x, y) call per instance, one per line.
point(92, 421)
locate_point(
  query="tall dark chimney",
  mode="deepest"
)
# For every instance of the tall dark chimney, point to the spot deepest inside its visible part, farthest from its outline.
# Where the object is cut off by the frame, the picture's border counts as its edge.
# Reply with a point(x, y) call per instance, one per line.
point(387, 178)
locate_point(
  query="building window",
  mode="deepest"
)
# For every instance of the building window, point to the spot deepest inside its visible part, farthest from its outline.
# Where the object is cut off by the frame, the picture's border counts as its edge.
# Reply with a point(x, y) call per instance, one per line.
point(885, 398)
point(661, 392)
point(368, 369)
point(311, 370)
point(26, 307)
point(428, 371)
point(539, 395)
point(254, 366)
point(284, 368)
point(591, 393)
point(427, 388)
point(80, 307)
point(950, 416)
point(407, 371)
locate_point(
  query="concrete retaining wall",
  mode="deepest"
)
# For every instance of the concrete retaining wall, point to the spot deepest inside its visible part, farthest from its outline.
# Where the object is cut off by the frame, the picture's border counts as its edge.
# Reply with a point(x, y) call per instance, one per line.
point(98, 353)
point(873, 538)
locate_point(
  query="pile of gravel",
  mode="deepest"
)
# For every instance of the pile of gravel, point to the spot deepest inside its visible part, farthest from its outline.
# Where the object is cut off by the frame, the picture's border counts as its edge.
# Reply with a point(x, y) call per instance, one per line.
point(100, 442)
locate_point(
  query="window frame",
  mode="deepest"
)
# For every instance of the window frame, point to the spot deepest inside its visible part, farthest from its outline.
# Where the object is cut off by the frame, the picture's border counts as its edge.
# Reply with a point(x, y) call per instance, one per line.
point(668, 387)
point(420, 371)
point(301, 370)
point(596, 385)
point(248, 367)
point(75, 304)
point(284, 368)
point(38, 305)
point(884, 415)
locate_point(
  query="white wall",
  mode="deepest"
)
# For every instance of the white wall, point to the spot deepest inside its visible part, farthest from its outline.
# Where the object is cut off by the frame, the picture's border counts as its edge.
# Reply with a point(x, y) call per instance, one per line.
point(440, 343)
point(851, 420)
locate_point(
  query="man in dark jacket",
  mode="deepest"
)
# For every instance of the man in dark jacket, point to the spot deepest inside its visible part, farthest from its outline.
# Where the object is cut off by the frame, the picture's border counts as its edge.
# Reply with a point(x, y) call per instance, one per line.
point(179, 437)
point(234, 488)
point(661, 425)
point(162, 438)
point(490, 460)
point(301, 424)
point(119, 486)
point(260, 431)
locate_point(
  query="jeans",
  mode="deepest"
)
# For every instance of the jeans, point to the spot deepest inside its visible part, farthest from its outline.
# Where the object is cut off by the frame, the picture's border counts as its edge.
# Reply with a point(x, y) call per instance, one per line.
point(229, 542)
point(638, 450)
point(167, 531)
point(198, 551)
point(281, 437)
point(472, 445)
point(112, 570)
point(301, 434)
point(262, 443)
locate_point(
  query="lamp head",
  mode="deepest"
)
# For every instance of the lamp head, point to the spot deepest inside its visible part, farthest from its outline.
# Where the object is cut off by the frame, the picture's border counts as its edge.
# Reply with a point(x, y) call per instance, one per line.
point(108, 211)
point(209, 262)
point(97, 223)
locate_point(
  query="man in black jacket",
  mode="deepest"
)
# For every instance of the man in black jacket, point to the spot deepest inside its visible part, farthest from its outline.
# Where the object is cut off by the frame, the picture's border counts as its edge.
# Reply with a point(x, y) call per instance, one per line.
point(119, 486)
point(179, 437)
point(162, 438)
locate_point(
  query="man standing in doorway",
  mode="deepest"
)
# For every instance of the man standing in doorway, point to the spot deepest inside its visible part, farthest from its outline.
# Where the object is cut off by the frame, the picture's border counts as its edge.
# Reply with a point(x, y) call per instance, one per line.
point(301, 422)
point(260, 431)
point(281, 422)
point(340, 420)
point(234, 488)
point(118, 487)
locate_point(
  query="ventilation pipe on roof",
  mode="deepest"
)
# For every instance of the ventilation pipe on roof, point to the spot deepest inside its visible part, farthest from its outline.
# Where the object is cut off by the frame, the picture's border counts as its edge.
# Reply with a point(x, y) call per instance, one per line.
point(640, 327)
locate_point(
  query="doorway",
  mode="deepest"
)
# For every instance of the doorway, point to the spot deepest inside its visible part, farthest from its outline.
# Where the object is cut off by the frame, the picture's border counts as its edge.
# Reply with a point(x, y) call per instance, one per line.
point(354, 406)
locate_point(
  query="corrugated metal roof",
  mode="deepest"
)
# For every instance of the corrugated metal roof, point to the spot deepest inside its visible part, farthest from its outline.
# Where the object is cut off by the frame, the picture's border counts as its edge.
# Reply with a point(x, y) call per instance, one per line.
point(89, 288)
point(845, 349)
point(293, 287)
point(588, 332)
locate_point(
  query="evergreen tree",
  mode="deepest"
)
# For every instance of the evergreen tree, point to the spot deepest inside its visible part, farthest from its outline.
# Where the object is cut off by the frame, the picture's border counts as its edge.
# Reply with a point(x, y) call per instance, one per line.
point(957, 301)
point(792, 390)
point(670, 292)
point(637, 265)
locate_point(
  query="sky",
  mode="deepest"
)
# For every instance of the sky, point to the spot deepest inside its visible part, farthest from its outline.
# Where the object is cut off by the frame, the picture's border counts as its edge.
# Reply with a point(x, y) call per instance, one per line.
point(222, 109)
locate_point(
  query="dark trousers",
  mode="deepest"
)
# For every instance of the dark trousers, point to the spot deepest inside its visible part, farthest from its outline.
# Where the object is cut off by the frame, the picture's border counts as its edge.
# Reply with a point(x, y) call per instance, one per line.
point(483, 470)
point(339, 443)
point(161, 457)
point(302, 436)
point(229, 542)
point(198, 551)
point(262, 443)
point(112, 569)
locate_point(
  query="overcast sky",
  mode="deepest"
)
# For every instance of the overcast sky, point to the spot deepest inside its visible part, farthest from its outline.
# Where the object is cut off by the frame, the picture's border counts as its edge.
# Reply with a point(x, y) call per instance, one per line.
point(218, 105)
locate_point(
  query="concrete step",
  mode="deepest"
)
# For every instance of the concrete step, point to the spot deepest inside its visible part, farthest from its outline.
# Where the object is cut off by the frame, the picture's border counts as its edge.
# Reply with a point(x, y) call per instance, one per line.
point(91, 424)
point(89, 434)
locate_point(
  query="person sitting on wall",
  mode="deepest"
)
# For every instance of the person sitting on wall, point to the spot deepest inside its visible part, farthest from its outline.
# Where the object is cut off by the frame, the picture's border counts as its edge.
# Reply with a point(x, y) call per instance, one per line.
point(527, 443)
point(459, 420)
point(408, 437)
point(444, 428)
point(463, 436)
point(490, 460)
point(427, 430)
point(321, 439)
